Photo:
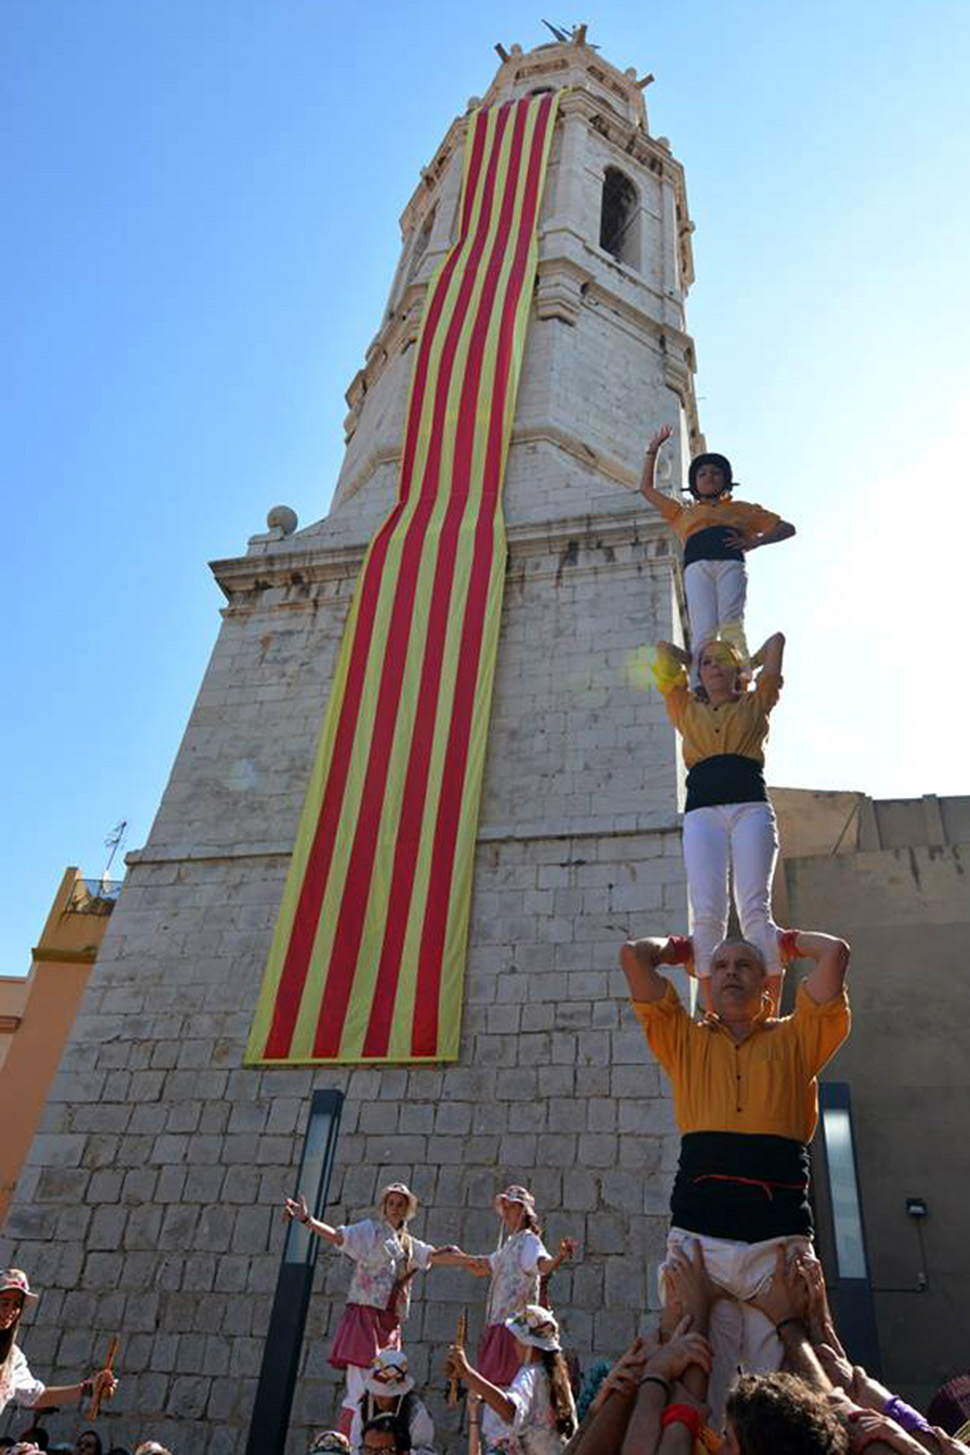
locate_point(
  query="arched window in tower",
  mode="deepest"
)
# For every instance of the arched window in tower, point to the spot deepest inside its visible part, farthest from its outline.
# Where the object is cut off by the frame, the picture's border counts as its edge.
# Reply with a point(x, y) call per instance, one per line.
point(620, 218)
point(421, 243)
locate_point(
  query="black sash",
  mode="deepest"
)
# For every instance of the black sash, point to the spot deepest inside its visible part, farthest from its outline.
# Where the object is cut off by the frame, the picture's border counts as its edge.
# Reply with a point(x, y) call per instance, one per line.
point(710, 544)
point(742, 1186)
point(725, 778)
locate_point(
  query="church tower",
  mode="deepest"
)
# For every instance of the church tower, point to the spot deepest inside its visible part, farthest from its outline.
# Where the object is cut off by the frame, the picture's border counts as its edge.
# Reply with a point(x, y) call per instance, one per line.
point(151, 1201)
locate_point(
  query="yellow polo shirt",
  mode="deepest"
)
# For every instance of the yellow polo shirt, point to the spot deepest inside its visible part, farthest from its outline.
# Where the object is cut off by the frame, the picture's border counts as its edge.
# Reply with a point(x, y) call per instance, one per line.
point(765, 1084)
point(743, 515)
point(738, 727)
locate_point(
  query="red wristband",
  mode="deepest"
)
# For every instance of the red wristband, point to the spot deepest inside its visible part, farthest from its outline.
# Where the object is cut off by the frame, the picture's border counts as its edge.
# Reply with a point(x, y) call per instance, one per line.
point(680, 948)
point(682, 1414)
point(788, 945)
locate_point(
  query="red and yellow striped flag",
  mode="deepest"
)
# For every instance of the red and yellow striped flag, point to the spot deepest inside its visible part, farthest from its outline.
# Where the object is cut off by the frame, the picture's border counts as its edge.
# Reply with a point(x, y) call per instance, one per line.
point(367, 962)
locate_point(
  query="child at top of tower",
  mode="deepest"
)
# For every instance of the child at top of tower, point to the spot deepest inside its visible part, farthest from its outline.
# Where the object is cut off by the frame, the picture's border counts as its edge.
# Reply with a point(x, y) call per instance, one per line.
point(716, 531)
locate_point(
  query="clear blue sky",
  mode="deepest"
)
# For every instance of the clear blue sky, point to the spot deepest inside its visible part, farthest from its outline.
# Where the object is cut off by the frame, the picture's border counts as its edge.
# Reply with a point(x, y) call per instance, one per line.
point(201, 206)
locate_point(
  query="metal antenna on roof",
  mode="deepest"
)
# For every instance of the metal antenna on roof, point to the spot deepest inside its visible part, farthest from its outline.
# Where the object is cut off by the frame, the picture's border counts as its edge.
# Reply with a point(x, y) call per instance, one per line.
point(115, 842)
point(576, 34)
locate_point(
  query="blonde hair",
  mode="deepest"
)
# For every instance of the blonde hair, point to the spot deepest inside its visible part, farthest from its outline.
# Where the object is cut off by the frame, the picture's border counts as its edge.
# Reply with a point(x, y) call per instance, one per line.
point(742, 675)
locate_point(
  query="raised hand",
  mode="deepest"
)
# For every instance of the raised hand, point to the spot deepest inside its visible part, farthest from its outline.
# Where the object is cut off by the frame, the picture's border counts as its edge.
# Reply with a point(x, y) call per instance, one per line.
point(659, 437)
point(836, 1366)
point(867, 1391)
point(820, 1323)
point(785, 1296)
point(456, 1362)
point(624, 1377)
point(689, 1284)
point(296, 1208)
point(865, 1426)
point(685, 1348)
point(103, 1384)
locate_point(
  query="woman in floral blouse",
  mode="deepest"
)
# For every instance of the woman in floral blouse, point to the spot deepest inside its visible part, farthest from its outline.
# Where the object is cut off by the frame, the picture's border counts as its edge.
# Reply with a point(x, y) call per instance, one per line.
point(386, 1257)
point(516, 1269)
point(534, 1414)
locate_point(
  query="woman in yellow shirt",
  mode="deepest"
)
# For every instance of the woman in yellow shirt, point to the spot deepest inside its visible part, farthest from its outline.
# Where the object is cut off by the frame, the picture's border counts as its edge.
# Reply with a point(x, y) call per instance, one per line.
point(729, 824)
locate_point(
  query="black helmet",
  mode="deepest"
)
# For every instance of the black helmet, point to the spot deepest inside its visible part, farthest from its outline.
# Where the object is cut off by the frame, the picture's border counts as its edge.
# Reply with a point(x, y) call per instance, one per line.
point(721, 461)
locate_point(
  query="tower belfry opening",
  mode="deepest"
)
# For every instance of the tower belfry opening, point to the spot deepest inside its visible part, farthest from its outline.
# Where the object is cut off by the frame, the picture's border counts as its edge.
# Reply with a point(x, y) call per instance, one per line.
point(618, 216)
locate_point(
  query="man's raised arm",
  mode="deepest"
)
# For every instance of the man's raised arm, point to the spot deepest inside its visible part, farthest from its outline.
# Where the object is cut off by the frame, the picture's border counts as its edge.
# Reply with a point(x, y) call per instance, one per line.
point(639, 960)
point(831, 956)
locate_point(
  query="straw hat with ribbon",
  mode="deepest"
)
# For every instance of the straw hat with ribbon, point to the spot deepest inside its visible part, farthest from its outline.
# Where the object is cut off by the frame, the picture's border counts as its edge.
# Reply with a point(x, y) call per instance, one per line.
point(14, 1280)
point(535, 1326)
point(388, 1374)
point(404, 1191)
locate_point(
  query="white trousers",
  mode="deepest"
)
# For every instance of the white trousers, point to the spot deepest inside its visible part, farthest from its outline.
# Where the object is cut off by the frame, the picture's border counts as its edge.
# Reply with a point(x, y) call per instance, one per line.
point(356, 1386)
point(740, 838)
point(715, 592)
point(741, 1337)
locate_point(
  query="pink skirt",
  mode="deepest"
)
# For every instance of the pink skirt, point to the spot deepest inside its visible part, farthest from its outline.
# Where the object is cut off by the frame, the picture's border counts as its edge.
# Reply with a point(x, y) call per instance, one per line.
point(362, 1333)
point(498, 1355)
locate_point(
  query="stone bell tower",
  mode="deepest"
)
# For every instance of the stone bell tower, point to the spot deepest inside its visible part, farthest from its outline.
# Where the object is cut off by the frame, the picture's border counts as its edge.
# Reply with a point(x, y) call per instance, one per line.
point(150, 1204)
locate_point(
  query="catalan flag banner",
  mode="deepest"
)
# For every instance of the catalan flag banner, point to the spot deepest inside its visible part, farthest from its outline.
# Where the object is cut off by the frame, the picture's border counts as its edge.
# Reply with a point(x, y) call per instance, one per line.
point(367, 961)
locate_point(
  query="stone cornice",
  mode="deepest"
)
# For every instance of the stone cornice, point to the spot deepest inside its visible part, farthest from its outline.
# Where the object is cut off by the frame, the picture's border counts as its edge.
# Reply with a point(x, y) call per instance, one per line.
point(86, 956)
point(487, 834)
point(303, 567)
point(431, 174)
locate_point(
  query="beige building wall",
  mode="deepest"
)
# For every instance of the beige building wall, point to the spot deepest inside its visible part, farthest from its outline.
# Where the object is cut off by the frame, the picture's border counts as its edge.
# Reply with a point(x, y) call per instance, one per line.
point(893, 876)
point(37, 1015)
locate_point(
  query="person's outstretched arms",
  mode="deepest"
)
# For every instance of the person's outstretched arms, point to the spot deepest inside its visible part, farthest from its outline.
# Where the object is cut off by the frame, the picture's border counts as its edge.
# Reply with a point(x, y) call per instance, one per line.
point(639, 960)
point(690, 1290)
point(647, 489)
point(295, 1209)
point(496, 1398)
point(784, 1303)
point(831, 956)
point(477, 1264)
point(603, 1429)
point(449, 1255)
point(821, 1325)
point(660, 1372)
point(566, 1250)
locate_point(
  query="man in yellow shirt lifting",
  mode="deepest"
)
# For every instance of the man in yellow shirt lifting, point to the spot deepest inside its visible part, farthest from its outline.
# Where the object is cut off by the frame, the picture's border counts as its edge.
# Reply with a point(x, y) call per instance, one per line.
point(746, 1103)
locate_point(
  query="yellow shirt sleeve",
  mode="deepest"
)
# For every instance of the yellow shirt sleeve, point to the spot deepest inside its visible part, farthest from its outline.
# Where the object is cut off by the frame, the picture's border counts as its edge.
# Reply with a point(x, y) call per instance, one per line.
point(768, 688)
point(757, 519)
point(819, 1029)
point(666, 1026)
point(676, 701)
point(670, 510)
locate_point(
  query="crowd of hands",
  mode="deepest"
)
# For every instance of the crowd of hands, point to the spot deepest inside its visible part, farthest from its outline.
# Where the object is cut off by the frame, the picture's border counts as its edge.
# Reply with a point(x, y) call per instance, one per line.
point(679, 1357)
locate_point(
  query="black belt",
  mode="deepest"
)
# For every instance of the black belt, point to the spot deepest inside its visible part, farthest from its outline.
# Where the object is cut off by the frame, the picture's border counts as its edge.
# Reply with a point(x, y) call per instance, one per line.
point(711, 544)
point(725, 778)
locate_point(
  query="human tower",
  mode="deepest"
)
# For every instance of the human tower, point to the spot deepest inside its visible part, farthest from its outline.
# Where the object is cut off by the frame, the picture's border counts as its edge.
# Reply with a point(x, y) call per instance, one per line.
point(743, 1078)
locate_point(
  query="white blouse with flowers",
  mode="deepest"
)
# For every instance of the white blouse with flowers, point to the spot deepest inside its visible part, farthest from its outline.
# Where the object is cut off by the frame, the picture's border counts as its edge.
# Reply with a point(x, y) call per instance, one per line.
point(533, 1428)
point(380, 1254)
point(17, 1382)
point(515, 1276)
